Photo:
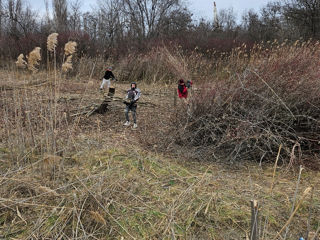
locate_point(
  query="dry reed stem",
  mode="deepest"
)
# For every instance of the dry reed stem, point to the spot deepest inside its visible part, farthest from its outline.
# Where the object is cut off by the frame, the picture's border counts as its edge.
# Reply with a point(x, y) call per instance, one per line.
point(305, 193)
point(294, 199)
point(293, 156)
point(275, 168)
point(310, 211)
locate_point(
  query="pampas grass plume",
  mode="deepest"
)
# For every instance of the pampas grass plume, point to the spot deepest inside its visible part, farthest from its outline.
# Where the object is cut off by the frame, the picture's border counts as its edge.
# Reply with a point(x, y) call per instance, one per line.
point(52, 41)
point(70, 48)
point(33, 59)
point(21, 63)
point(67, 65)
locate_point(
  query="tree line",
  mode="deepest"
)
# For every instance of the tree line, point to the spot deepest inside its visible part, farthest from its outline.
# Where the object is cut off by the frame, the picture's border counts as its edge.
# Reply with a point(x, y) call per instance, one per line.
point(115, 27)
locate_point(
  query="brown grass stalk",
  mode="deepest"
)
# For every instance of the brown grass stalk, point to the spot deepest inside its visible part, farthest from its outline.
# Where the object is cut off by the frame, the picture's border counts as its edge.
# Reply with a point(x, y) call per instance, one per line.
point(304, 195)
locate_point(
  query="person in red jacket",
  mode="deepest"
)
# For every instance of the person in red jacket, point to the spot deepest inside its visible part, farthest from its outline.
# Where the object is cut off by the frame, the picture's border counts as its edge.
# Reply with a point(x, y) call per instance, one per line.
point(182, 90)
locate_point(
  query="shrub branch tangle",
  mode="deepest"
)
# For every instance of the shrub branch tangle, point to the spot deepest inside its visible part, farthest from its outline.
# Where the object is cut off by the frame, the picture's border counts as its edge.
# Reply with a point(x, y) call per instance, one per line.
point(274, 100)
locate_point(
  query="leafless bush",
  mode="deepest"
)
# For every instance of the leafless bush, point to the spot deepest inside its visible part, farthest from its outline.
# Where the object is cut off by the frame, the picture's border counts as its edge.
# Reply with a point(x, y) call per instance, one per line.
point(274, 100)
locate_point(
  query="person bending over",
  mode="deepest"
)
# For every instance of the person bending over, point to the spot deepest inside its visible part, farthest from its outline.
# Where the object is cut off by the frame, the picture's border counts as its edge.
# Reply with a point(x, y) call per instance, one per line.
point(108, 75)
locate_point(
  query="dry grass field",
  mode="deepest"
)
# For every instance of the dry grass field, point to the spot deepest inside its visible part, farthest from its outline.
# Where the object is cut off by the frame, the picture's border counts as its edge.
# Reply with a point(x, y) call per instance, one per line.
point(67, 175)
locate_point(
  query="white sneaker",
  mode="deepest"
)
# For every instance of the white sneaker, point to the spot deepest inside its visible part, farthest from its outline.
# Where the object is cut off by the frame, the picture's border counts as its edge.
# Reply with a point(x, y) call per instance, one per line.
point(127, 123)
point(135, 125)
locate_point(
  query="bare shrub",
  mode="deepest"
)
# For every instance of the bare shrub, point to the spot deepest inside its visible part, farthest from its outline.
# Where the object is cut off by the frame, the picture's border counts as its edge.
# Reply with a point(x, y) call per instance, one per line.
point(274, 100)
point(165, 65)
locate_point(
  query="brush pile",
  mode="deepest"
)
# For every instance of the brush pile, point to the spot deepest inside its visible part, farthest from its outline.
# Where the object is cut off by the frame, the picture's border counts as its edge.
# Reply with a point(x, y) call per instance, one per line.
point(274, 100)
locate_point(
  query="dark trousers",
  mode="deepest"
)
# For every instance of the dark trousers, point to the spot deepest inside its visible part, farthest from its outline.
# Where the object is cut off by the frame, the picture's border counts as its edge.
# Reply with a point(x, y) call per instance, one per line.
point(133, 109)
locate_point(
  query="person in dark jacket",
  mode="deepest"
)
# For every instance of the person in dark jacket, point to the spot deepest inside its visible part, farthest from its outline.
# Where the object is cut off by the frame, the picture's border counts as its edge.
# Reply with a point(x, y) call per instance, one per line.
point(182, 90)
point(132, 97)
point(108, 75)
point(189, 84)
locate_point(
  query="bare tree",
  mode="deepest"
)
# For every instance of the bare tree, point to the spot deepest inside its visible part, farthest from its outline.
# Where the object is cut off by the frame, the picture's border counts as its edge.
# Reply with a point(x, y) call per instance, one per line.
point(272, 22)
point(305, 15)
point(14, 10)
point(1, 14)
point(227, 19)
point(48, 20)
point(177, 22)
point(75, 15)
point(27, 20)
point(60, 14)
point(147, 15)
point(17, 19)
point(90, 23)
point(112, 21)
point(252, 25)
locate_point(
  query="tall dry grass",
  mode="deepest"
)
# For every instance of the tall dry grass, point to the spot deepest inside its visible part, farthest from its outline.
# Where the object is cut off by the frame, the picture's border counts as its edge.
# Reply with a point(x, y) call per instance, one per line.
point(160, 65)
point(34, 120)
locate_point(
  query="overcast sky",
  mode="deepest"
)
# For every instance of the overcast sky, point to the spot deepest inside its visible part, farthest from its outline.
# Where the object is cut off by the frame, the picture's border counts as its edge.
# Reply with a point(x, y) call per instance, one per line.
point(204, 8)
point(200, 8)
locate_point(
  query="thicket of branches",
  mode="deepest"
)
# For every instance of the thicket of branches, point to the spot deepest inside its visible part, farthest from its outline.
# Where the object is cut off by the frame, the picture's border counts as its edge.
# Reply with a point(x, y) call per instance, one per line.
point(116, 27)
point(268, 101)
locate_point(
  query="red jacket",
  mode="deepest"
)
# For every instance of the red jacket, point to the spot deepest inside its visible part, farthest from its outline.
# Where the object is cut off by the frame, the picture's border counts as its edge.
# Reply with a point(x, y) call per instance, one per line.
point(184, 92)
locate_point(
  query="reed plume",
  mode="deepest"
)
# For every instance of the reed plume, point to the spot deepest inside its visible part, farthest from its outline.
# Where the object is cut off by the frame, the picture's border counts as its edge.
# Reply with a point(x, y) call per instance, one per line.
point(70, 48)
point(33, 59)
point(52, 41)
point(67, 65)
point(21, 63)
